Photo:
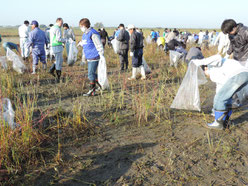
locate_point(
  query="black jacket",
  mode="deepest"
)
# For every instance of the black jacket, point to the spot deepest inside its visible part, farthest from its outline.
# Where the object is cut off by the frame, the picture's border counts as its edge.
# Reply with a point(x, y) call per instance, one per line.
point(239, 44)
point(104, 34)
point(136, 41)
point(124, 38)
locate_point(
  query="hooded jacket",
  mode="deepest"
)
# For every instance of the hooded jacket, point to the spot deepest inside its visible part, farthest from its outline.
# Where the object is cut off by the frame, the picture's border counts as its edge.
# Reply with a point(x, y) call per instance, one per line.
point(239, 43)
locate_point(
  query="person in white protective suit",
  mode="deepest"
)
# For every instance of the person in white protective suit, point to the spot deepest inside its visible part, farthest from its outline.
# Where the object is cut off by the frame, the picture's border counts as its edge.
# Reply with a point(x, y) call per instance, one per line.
point(201, 35)
point(231, 80)
point(223, 43)
point(23, 31)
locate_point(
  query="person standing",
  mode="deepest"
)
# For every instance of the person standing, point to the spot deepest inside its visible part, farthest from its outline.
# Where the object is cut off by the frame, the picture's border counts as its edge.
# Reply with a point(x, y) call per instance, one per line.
point(48, 49)
point(67, 35)
point(92, 52)
point(123, 38)
point(104, 36)
point(136, 53)
point(56, 42)
point(37, 39)
point(223, 43)
point(23, 31)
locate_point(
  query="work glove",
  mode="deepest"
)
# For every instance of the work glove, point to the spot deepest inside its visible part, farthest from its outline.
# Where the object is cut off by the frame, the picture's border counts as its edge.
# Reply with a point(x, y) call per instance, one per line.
point(79, 44)
point(131, 54)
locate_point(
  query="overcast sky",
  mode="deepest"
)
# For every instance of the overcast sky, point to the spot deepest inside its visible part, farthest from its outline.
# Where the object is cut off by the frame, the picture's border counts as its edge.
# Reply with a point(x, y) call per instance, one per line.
point(141, 13)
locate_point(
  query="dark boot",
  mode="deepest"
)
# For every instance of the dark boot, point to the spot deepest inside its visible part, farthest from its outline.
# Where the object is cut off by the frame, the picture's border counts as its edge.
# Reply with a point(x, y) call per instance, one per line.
point(220, 118)
point(227, 123)
point(58, 72)
point(92, 89)
point(52, 69)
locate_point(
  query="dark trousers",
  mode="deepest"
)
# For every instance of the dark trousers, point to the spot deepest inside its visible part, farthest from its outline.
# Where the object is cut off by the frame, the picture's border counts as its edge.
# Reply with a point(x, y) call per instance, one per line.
point(137, 58)
point(123, 54)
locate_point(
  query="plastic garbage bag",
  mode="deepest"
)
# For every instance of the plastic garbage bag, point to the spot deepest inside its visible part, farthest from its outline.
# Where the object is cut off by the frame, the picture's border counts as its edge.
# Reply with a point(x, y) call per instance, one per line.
point(73, 51)
point(175, 57)
point(102, 73)
point(7, 114)
point(3, 61)
point(161, 41)
point(148, 40)
point(18, 65)
point(116, 45)
point(147, 68)
point(188, 96)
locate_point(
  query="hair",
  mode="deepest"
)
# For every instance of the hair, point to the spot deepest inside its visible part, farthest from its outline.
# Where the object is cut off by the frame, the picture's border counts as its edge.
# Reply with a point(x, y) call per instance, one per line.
point(85, 22)
point(50, 25)
point(228, 25)
point(203, 67)
point(122, 25)
point(26, 22)
point(66, 25)
point(198, 48)
point(59, 19)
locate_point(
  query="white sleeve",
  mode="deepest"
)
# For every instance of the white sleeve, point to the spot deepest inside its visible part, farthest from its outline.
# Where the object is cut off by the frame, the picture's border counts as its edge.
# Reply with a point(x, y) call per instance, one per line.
point(98, 44)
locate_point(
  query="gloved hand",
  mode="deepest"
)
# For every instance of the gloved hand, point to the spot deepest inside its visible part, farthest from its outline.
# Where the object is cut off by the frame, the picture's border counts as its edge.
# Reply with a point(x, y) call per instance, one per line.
point(131, 54)
point(79, 44)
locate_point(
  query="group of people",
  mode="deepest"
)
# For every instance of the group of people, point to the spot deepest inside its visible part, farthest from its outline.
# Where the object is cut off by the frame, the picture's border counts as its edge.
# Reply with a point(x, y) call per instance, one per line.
point(231, 76)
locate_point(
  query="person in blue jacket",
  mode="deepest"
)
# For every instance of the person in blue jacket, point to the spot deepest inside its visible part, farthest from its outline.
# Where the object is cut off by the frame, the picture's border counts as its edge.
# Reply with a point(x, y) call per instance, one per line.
point(92, 52)
point(37, 39)
point(154, 36)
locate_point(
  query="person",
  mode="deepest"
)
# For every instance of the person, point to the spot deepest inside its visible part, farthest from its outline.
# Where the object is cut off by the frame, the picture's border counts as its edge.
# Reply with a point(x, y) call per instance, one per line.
point(223, 43)
point(196, 38)
point(205, 40)
point(12, 46)
point(172, 45)
point(182, 49)
point(104, 36)
point(23, 31)
point(48, 49)
point(213, 38)
point(37, 39)
point(123, 38)
point(238, 35)
point(201, 35)
point(92, 52)
point(136, 47)
point(154, 36)
point(231, 79)
point(67, 35)
point(170, 36)
point(114, 32)
point(194, 53)
point(56, 42)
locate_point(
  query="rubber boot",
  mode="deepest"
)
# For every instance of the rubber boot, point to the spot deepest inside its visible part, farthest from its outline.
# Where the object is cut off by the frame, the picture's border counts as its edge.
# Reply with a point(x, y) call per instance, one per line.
point(92, 90)
point(58, 72)
point(143, 73)
point(134, 73)
point(34, 69)
point(44, 66)
point(227, 123)
point(220, 118)
point(52, 69)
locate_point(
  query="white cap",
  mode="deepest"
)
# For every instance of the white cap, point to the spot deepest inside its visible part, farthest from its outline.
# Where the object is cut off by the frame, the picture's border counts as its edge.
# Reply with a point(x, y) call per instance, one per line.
point(130, 27)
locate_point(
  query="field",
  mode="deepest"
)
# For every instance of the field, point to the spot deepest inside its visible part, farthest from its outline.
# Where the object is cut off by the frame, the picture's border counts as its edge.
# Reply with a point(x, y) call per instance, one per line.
point(127, 135)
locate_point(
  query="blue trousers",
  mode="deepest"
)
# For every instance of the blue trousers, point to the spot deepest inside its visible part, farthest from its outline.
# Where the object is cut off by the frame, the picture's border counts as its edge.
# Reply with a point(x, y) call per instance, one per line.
point(223, 99)
point(92, 67)
point(39, 55)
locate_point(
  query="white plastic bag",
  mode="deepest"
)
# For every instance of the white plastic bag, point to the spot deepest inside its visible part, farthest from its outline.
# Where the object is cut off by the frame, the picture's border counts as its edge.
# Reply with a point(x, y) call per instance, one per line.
point(102, 73)
point(18, 65)
point(188, 96)
point(147, 68)
point(175, 57)
point(116, 45)
point(148, 40)
point(3, 61)
point(73, 51)
point(7, 114)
